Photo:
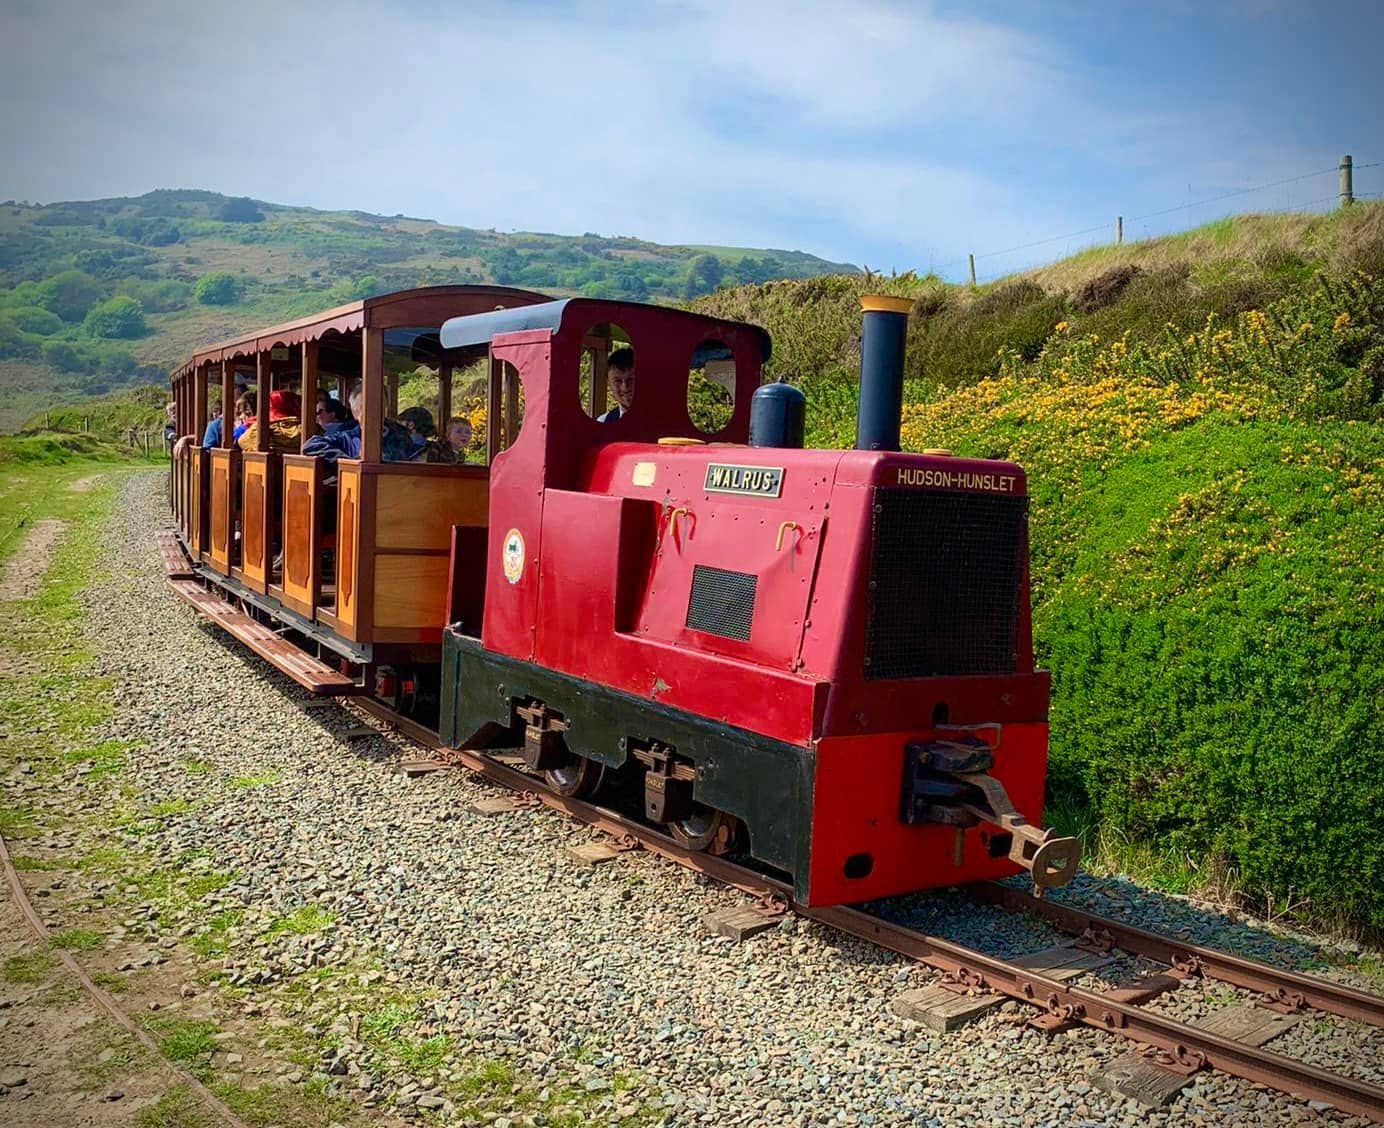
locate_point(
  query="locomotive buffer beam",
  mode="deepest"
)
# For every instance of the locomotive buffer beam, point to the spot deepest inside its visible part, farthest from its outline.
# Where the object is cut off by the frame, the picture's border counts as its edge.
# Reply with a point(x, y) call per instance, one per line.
point(948, 782)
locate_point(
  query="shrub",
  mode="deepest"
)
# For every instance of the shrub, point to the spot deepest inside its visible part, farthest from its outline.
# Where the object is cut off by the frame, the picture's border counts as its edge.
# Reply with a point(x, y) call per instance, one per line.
point(217, 289)
point(240, 209)
point(15, 342)
point(70, 294)
point(960, 344)
point(119, 317)
point(33, 319)
point(1217, 658)
point(160, 297)
point(1104, 289)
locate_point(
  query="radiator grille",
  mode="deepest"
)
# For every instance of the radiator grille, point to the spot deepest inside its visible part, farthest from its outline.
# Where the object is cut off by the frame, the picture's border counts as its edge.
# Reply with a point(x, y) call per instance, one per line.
point(944, 583)
point(722, 602)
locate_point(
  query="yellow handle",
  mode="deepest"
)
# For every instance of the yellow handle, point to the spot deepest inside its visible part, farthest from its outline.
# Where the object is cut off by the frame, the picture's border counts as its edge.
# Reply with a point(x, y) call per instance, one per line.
point(778, 543)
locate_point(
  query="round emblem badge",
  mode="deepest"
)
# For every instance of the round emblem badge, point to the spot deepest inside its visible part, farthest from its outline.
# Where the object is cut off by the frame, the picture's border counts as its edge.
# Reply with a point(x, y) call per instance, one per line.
point(512, 555)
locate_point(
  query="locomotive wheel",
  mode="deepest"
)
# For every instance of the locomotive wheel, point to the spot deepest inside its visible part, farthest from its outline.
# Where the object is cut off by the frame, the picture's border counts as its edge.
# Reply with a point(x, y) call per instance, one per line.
point(576, 779)
point(705, 828)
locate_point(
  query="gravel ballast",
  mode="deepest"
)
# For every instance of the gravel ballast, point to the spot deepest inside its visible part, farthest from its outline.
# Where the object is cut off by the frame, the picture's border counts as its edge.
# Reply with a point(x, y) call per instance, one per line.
point(353, 890)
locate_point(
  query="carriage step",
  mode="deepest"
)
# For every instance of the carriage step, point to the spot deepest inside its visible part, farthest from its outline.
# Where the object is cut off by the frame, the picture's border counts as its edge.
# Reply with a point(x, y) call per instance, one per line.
point(175, 561)
point(309, 672)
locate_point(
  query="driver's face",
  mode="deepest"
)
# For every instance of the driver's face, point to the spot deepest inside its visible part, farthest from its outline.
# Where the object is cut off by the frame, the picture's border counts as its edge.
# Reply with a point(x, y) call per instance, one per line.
point(622, 385)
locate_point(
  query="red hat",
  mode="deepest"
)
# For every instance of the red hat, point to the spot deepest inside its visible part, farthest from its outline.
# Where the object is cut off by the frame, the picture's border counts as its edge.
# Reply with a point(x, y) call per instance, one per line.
point(283, 405)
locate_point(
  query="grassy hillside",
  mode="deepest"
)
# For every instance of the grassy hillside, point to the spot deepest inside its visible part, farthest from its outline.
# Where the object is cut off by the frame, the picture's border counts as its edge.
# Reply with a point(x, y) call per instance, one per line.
point(101, 294)
point(1199, 417)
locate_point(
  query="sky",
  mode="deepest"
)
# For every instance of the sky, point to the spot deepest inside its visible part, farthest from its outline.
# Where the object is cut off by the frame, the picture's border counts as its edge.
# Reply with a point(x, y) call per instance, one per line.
point(894, 134)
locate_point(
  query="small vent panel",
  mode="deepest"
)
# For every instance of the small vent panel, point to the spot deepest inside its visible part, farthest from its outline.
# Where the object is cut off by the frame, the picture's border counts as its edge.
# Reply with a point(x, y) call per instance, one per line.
point(944, 583)
point(722, 602)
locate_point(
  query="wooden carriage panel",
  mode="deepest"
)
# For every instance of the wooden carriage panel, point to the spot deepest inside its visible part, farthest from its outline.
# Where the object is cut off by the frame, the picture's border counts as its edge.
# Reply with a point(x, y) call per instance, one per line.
point(351, 578)
point(418, 510)
point(258, 518)
point(302, 522)
point(185, 493)
point(224, 479)
point(411, 593)
point(197, 511)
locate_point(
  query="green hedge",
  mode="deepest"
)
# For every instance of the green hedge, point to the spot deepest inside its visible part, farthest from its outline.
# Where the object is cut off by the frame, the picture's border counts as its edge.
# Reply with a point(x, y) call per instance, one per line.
point(1218, 651)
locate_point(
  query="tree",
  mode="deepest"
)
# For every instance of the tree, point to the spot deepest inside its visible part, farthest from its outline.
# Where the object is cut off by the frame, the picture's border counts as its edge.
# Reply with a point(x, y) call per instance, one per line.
point(217, 289)
point(122, 316)
point(632, 285)
point(70, 294)
point(704, 274)
point(241, 209)
point(367, 286)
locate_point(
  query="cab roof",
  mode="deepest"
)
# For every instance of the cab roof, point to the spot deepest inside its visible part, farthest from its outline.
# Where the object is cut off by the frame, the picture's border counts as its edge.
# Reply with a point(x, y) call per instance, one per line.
point(480, 328)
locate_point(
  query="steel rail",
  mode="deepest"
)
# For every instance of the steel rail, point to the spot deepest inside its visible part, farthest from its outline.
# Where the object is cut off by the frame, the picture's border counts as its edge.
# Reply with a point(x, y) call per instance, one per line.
point(1291, 988)
point(1189, 1046)
point(103, 998)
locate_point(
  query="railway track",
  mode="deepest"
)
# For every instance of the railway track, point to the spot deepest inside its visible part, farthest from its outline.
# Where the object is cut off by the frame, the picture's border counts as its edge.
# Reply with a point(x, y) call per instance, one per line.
point(1180, 1047)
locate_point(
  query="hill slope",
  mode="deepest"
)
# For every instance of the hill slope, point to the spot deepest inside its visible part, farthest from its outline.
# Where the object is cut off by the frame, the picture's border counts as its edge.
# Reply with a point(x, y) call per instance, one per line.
point(1199, 418)
point(202, 267)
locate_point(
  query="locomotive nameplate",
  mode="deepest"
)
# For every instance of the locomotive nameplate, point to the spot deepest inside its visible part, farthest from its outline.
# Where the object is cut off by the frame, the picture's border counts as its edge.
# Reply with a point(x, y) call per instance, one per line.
point(757, 481)
point(957, 480)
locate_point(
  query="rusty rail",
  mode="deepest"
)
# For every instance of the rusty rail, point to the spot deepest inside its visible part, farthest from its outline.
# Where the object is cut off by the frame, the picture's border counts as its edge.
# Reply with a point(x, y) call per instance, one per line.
point(1289, 987)
point(1193, 1047)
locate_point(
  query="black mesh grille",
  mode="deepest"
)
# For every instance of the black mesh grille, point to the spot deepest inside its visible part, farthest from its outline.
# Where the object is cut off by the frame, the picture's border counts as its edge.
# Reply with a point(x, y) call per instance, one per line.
point(722, 602)
point(944, 583)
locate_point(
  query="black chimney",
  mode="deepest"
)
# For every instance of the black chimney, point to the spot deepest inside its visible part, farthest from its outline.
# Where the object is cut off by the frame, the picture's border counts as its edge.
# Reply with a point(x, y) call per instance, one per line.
point(881, 371)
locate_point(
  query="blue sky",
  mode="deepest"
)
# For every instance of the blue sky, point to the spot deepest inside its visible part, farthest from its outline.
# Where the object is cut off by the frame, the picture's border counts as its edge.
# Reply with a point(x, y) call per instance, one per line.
point(892, 134)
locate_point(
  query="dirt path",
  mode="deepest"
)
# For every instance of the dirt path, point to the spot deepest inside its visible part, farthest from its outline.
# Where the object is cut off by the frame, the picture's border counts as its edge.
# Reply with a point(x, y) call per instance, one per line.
point(84, 485)
point(25, 569)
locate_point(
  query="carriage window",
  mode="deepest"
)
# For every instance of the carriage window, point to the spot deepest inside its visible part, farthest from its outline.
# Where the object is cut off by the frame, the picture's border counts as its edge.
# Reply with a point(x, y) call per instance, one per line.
point(603, 385)
point(711, 387)
point(467, 413)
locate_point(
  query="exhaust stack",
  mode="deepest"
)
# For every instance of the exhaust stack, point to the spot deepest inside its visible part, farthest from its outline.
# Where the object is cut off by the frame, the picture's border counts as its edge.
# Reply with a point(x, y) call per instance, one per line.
point(881, 371)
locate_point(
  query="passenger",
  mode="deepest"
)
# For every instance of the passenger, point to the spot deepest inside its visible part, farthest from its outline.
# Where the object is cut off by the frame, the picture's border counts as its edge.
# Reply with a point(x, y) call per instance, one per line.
point(459, 435)
point(422, 438)
point(353, 441)
point(245, 406)
point(339, 436)
point(285, 430)
point(620, 370)
point(170, 428)
point(212, 437)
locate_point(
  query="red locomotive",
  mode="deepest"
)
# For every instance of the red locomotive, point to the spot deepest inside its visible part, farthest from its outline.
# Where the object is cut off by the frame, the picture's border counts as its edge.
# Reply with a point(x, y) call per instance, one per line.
point(823, 657)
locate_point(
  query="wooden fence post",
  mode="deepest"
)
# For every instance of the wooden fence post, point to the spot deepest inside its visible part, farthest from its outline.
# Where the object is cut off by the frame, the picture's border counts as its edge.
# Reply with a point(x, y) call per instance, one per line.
point(1347, 181)
point(1119, 230)
point(972, 259)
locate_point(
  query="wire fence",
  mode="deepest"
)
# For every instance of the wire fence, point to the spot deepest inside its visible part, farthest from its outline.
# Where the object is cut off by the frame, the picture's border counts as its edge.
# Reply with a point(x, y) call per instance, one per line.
point(1122, 229)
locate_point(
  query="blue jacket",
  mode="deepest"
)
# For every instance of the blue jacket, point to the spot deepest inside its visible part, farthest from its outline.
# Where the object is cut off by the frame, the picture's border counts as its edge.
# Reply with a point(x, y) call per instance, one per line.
point(213, 436)
point(339, 440)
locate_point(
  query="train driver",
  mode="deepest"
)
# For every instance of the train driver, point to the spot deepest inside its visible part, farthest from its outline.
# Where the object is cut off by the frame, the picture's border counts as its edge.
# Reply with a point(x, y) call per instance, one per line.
point(620, 367)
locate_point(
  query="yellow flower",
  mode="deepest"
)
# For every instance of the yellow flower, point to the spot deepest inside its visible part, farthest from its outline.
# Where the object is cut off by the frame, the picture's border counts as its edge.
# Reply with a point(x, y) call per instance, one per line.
point(1061, 326)
point(1342, 320)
